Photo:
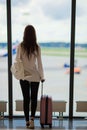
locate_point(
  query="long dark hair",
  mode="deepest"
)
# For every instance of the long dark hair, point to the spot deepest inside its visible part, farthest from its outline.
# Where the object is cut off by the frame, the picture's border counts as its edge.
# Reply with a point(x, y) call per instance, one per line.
point(29, 43)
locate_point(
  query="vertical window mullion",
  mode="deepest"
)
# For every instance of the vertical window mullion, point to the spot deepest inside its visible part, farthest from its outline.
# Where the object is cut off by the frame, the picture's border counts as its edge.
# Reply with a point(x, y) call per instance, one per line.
point(9, 41)
point(71, 92)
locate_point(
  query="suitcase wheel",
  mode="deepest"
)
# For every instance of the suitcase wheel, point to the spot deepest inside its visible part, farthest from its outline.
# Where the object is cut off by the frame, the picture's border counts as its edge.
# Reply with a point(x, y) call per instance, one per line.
point(50, 126)
point(42, 126)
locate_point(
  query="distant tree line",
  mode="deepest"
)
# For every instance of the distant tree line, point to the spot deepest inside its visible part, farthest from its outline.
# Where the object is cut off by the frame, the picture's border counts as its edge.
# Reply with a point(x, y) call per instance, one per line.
point(61, 44)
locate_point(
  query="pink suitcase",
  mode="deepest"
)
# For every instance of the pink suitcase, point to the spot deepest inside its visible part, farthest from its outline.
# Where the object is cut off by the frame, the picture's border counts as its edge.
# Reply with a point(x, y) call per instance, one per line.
point(45, 111)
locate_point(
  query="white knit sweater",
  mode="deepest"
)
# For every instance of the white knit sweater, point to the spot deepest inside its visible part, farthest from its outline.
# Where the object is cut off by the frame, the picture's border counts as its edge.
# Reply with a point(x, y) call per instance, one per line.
point(33, 69)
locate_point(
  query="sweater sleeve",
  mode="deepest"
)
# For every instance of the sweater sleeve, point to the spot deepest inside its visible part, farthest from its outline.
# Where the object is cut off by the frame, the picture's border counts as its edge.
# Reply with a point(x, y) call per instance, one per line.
point(18, 54)
point(40, 66)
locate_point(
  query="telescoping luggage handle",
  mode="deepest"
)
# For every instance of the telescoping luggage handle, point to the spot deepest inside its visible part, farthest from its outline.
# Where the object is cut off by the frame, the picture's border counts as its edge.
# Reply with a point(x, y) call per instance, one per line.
point(41, 88)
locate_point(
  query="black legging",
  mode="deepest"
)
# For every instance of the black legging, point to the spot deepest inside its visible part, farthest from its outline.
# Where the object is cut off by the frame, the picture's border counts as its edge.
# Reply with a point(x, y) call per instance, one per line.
point(30, 92)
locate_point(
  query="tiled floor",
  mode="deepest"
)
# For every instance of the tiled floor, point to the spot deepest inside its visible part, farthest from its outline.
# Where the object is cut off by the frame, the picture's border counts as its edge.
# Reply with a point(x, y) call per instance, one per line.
point(65, 124)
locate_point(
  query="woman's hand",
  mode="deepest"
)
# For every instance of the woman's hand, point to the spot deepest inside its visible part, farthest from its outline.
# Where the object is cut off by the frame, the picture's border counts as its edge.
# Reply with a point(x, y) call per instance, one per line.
point(42, 80)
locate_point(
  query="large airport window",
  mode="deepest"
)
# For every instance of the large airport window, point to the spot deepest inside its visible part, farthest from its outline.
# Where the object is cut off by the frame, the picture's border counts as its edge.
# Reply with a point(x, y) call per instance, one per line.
point(52, 20)
point(80, 67)
point(3, 60)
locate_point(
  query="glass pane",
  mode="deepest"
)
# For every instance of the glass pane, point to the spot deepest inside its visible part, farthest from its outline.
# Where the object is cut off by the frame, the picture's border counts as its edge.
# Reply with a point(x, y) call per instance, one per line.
point(80, 77)
point(52, 22)
point(3, 57)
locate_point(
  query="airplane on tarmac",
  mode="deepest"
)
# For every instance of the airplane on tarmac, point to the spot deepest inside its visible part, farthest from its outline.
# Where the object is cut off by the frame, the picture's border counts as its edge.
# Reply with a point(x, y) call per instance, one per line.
point(4, 52)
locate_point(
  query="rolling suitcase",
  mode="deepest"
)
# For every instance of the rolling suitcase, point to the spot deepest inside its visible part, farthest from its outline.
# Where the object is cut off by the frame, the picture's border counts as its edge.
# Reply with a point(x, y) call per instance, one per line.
point(45, 110)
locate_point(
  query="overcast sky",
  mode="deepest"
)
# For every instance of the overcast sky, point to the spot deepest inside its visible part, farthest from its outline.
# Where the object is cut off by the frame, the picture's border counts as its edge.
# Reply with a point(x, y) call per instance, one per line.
point(51, 19)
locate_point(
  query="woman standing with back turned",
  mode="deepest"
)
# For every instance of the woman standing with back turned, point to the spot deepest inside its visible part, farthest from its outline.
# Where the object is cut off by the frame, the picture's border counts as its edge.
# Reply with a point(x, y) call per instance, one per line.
point(30, 55)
